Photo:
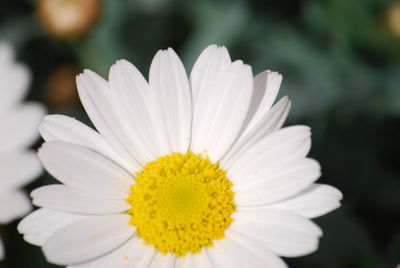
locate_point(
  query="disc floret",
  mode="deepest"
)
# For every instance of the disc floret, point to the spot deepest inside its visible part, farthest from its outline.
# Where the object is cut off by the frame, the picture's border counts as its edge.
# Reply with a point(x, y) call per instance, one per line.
point(181, 203)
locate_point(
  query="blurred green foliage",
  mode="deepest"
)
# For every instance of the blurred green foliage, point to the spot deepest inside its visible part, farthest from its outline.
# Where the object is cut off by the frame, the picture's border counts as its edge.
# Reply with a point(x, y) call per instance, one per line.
point(341, 68)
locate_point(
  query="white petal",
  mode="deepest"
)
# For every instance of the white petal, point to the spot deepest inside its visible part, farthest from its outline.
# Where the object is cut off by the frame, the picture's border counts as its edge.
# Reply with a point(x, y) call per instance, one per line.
point(221, 257)
point(88, 239)
point(82, 168)
point(270, 122)
point(63, 128)
point(204, 78)
point(286, 144)
point(274, 168)
point(224, 112)
point(19, 127)
point(256, 250)
point(12, 175)
point(66, 199)
point(285, 234)
point(203, 260)
point(38, 226)
point(146, 256)
point(129, 123)
point(141, 102)
point(131, 254)
point(271, 184)
point(236, 250)
point(315, 201)
point(13, 205)
point(163, 261)
point(107, 115)
point(207, 70)
point(185, 262)
point(81, 265)
point(266, 88)
point(197, 260)
point(169, 81)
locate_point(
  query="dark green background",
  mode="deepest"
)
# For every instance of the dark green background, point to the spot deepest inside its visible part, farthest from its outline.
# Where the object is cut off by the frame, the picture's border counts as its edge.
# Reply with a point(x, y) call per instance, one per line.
point(341, 68)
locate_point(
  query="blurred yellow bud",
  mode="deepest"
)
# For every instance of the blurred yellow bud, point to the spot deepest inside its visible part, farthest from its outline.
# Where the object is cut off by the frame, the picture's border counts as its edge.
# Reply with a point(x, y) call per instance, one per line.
point(393, 19)
point(60, 89)
point(66, 19)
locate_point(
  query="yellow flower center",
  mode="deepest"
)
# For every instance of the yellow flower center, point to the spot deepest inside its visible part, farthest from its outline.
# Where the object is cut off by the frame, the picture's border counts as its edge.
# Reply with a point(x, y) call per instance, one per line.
point(181, 203)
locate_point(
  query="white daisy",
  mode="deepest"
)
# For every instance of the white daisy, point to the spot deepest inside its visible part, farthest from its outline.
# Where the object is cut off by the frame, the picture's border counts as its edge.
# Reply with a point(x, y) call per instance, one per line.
point(181, 173)
point(18, 165)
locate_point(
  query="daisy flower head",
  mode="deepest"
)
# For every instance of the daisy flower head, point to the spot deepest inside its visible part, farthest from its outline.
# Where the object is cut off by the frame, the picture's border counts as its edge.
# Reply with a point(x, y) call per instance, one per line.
point(18, 165)
point(181, 172)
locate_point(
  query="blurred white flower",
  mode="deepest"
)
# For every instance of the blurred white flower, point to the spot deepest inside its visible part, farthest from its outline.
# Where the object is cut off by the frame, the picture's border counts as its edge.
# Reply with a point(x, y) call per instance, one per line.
point(18, 165)
point(182, 173)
